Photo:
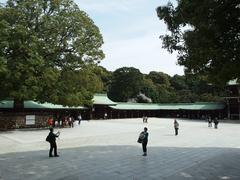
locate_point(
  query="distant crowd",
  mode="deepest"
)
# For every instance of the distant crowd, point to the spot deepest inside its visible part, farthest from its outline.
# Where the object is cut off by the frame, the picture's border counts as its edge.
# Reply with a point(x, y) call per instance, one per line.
point(63, 120)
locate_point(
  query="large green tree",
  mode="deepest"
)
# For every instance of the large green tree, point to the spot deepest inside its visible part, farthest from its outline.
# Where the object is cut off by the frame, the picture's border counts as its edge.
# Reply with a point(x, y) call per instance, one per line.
point(162, 86)
point(105, 77)
point(45, 49)
point(206, 35)
point(126, 83)
point(149, 89)
point(179, 82)
point(159, 78)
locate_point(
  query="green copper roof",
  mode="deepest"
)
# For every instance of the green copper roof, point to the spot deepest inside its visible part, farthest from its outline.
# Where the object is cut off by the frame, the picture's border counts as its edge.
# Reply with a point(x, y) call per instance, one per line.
point(135, 106)
point(36, 105)
point(102, 99)
point(6, 104)
point(176, 106)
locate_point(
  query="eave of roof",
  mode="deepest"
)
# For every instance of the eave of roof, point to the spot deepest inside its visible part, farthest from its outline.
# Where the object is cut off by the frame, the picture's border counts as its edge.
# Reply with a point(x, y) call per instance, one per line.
point(102, 99)
point(177, 106)
point(35, 105)
point(8, 104)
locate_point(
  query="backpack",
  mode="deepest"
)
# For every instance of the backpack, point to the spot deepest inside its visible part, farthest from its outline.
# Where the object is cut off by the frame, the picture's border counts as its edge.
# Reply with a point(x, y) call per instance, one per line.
point(48, 138)
point(141, 137)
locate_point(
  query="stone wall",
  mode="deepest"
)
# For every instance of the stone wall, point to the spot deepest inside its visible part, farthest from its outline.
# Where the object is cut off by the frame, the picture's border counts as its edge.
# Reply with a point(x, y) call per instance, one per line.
point(12, 120)
point(7, 122)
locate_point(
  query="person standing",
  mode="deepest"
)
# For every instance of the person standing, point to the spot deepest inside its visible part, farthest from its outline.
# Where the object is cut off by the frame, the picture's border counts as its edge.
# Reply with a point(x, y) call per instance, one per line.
point(105, 115)
point(216, 123)
point(52, 140)
point(50, 122)
point(79, 119)
point(146, 119)
point(144, 138)
point(209, 121)
point(72, 121)
point(176, 127)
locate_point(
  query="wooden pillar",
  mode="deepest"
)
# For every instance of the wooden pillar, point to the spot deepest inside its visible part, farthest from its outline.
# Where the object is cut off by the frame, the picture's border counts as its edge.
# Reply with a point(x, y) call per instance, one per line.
point(238, 108)
point(228, 110)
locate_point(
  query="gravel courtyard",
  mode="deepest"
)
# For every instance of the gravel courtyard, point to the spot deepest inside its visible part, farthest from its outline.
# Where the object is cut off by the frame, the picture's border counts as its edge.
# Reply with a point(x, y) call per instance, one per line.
point(107, 149)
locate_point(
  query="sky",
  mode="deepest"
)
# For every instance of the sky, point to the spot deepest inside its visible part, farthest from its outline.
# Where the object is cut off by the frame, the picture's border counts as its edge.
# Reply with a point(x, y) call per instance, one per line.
point(131, 30)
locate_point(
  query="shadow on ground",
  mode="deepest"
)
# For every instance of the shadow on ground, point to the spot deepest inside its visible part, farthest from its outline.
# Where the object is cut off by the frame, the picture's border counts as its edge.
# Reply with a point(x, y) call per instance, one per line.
point(123, 162)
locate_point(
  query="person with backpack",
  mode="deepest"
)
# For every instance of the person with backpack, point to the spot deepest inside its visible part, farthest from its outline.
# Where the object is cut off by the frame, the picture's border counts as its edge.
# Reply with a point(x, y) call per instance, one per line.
point(143, 139)
point(51, 138)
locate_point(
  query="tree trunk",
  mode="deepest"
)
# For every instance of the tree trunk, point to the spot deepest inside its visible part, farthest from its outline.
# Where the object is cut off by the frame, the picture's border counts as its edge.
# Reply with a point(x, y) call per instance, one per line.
point(18, 104)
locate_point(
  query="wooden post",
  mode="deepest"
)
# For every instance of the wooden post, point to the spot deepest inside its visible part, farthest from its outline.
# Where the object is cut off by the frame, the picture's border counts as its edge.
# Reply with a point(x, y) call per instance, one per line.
point(228, 109)
point(238, 108)
point(18, 105)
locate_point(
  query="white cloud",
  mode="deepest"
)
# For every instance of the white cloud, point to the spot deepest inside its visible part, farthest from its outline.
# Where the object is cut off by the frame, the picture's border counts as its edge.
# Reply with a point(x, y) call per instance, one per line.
point(106, 6)
point(131, 31)
point(144, 53)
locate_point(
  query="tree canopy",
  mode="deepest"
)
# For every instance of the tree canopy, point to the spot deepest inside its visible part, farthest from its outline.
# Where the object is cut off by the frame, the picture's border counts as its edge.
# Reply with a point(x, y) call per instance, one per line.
point(129, 84)
point(159, 78)
point(126, 83)
point(206, 35)
point(46, 49)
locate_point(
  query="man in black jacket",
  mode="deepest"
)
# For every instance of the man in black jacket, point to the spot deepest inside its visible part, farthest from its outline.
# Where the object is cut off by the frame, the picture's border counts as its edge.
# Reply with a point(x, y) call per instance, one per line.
point(52, 140)
point(145, 141)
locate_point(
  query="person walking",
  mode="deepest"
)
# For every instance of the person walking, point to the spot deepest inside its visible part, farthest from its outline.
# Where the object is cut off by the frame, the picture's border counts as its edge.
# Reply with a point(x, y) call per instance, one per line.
point(51, 138)
point(144, 139)
point(176, 127)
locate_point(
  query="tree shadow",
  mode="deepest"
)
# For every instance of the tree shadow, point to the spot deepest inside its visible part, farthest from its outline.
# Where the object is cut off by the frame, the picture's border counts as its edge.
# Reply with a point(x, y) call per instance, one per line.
point(123, 162)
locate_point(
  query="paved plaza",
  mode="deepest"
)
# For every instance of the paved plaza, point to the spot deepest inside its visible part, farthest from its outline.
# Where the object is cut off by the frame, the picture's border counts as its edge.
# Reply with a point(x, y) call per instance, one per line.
point(107, 150)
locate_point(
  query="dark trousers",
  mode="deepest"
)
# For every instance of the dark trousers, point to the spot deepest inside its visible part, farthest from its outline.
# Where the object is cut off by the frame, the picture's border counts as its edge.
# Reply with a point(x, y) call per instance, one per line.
point(176, 131)
point(144, 147)
point(53, 145)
